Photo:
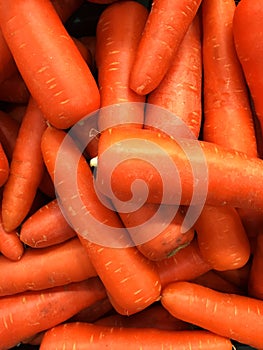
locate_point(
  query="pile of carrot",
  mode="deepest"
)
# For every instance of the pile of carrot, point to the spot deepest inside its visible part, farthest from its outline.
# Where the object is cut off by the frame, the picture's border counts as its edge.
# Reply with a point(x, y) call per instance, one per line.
point(131, 175)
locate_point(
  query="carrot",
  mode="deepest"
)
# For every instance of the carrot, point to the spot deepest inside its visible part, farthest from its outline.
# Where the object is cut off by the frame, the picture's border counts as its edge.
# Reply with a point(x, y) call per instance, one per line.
point(165, 28)
point(54, 227)
point(14, 90)
point(25, 314)
point(90, 335)
point(234, 178)
point(221, 237)
point(157, 231)
point(7, 63)
point(214, 281)
point(23, 275)
point(255, 283)
point(180, 90)
point(8, 133)
point(186, 264)
point(154, 316)
point(246, 23)
point(26, 169)
point(115, 52)
point(46, 185)
point(66, 8)
point(221, 313)
point(227, 109)
point(93, 312)
point(120, 266)
point(10, 244)
point(44, 61)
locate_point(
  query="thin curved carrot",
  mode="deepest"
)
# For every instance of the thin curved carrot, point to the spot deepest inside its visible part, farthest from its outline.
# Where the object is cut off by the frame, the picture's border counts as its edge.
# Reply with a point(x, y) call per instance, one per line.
point(165, 28)
point(114, 56)
point(47, 308)
point(54, 227)
point(87, 334)
point(23, 275)
point(44, 61)
point(118, 267)
point(26, 169)
point(221, 313)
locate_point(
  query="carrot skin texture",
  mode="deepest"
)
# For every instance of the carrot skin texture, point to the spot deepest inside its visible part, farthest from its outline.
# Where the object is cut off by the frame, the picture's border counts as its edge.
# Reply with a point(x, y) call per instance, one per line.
point(222, 239)
point(180, 89)
point(234, 178)
point(25, 314)
point(54, 227)
point(160, 41)
point(185, 265)
point(116, 266)
point(215, 311)
point(115, 52)
point(51, 261)
point(26, 169)
point(246, 30)
point(71, 93)
point(226, 96)
point(101, 337)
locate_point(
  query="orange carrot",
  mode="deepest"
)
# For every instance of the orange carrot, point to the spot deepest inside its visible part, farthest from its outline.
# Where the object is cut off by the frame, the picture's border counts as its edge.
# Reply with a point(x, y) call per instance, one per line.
point(59, 265)
point(44, 61)
point(4, 167)
point(10, 244)
point(230, 177)
point(115, 52)
point(54, 227)
point(180, 90)
point(90, 335)
point(165, 28)
point(26, 169)
point(221, 313)
point(120, 266)
point(185, 265)
point(25, 314)
point(221, 237)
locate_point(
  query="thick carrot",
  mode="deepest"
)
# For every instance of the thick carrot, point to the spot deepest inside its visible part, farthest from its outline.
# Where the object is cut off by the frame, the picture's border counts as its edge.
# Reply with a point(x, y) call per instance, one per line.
point(25, 314)
point(246, 29)
point(230, 177)
point(8, 133)
point(165, 28)
point(156, 231)
point(54, 227)
point(227, 109)
point(45, 268)
point(130, 279)
point(43, 57)
point(255, 281)
point(221, 313)
point(85, 335)
point(180, 90)
point(118, 33)
point(221, 237)
point(26, 169)
point(185, 265)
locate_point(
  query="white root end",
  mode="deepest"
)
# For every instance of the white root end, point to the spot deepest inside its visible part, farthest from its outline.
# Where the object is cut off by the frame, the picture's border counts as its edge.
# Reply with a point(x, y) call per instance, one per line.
point(94, 162)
